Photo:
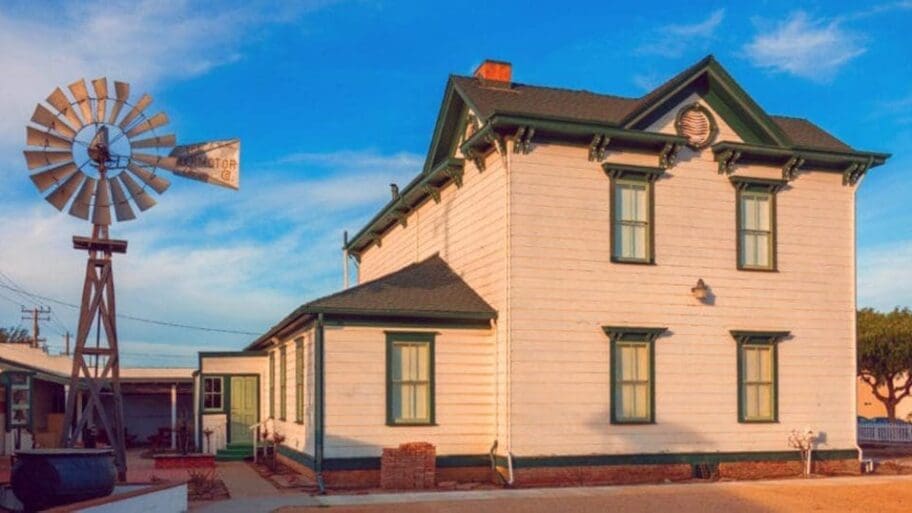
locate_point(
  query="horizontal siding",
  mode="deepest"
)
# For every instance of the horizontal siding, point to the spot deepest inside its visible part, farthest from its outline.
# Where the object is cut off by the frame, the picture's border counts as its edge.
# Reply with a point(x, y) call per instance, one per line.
point(298, 436)
point(564, 288)
point(356, 394)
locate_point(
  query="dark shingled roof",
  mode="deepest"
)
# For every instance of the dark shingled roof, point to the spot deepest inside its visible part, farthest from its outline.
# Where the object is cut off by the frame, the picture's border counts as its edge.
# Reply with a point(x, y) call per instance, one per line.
point(586, 106)
point(428, 289)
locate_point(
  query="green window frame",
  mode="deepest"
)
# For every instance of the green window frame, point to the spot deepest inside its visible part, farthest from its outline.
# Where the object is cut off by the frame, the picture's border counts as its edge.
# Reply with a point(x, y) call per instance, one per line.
point(272, 384)
point(755, 223)
point(410, 378)
point(758, 375)
point(213, 388)
point(632, 216)
point(632, 364)
point(299, 380)
point(283, 382)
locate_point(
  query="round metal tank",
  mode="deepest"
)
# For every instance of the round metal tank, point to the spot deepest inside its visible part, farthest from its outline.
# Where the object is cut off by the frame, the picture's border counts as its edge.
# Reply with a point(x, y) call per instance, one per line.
point(44, 478)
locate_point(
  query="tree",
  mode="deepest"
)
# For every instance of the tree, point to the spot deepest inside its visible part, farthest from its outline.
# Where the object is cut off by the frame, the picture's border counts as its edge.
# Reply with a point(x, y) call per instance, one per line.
point(885, 354)
point(14, 336)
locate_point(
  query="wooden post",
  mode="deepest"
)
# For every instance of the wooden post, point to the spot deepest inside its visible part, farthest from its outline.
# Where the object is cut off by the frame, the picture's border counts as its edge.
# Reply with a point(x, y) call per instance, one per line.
point(174, 416)
point(98, 309)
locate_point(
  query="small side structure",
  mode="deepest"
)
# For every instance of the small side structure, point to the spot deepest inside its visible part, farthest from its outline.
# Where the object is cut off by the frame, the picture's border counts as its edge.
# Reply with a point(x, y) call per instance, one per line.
point(155, 400)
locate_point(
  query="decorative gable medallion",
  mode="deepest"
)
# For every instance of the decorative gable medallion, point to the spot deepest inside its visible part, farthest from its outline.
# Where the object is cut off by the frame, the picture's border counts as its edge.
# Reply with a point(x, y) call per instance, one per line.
point(696, 123)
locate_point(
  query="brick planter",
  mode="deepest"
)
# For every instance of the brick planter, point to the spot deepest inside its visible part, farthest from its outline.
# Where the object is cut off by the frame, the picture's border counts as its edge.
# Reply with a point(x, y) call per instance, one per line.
point(410, 467)
point(163, 461)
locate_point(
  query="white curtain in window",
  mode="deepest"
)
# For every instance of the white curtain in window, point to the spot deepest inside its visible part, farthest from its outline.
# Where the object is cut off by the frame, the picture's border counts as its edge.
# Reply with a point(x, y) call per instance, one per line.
point(631, 220)
point(411, 381)
point(758, 382)
point(756, 231)
point(632, 394)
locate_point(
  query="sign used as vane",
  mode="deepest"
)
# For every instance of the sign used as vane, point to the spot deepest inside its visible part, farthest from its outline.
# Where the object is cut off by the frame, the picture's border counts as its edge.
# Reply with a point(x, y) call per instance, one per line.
point(214, 162)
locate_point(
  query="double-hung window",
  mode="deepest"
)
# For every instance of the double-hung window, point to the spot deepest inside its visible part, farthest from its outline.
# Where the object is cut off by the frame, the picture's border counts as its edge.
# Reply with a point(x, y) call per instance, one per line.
point(632, 374)
point(410, 378)
point(632, 219)
point(756, 218)
point(213, 393)
point(299, 380)
point(758, 387)
point(283, 382)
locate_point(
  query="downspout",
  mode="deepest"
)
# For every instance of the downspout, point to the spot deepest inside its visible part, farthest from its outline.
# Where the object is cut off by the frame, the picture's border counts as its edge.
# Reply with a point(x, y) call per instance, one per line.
point(319, 400)
point(508, 318)
point(854, 316)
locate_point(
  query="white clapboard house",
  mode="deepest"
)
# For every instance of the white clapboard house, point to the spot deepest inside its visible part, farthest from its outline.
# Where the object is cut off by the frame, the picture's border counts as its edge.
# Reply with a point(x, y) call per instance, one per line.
point(578, 287)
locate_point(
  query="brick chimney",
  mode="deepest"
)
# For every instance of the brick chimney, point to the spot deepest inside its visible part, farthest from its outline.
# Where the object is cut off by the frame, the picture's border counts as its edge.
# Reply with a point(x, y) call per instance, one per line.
point(495, 73)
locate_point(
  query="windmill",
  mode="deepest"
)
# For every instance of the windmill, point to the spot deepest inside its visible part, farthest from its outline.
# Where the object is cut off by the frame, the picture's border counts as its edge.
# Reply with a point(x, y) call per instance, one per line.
point(91, 152)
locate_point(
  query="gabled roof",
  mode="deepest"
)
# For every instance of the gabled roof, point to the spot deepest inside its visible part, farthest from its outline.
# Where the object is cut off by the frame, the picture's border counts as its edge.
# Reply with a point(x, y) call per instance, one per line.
point(429, 289)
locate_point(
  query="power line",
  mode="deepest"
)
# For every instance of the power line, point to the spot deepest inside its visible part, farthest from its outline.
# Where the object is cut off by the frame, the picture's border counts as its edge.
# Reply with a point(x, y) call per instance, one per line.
point(131, 317)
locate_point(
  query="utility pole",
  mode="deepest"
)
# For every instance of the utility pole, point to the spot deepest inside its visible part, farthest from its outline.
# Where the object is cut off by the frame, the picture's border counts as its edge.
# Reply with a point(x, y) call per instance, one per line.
point(67, 343)
point(36, 315)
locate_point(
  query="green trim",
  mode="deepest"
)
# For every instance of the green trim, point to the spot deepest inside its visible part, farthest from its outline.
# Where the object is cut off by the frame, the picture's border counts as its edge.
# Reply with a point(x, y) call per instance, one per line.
point(283, 382)
point(224, 394)
point(769, 153)
point(618, 335)
point(646, 176)
point(757, 186)
point(416, 337)
point(381, 322)
point(632, 172)
point(297, 456)
point(672, 458)
point(299, 380)
point(230, 354)
point(272, 384)
point(758, 338)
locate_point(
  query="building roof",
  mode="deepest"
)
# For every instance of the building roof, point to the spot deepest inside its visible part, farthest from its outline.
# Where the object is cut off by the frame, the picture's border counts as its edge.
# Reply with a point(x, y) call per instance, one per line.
point(429, 289)
point(586, 106)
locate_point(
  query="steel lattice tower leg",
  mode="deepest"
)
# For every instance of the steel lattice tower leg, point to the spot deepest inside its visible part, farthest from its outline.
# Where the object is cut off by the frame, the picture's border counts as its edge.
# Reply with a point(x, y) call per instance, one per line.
point(98, 309)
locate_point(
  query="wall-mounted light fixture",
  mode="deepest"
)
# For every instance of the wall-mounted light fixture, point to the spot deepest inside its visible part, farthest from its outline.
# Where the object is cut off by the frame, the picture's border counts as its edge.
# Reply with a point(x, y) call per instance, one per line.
point(701, 291)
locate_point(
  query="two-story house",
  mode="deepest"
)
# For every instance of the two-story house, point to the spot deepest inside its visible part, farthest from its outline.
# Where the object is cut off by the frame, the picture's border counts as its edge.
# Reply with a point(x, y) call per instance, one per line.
point(579, 288)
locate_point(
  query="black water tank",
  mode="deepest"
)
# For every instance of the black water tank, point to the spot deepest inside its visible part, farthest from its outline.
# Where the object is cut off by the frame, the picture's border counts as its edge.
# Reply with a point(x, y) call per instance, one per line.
point(44, 478)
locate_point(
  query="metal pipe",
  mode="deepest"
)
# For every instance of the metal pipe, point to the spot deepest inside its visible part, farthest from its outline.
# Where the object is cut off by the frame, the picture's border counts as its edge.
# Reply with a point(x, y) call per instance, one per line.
point(319, 401)
point(345, 259)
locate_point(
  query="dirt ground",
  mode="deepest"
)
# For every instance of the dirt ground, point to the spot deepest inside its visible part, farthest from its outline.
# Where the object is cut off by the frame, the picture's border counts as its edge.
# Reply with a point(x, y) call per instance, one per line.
point(844, 495)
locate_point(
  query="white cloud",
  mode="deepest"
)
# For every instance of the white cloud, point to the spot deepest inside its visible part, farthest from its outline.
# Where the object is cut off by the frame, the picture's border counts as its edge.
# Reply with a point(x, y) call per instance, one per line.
point(884, 276)
point(809, 48)
point(144, 43)
point(673, 40)
point(261, 251)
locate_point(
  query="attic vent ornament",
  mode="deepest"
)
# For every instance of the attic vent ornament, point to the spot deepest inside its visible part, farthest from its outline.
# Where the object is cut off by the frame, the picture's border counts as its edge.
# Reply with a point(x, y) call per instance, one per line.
point(696, 123)
point(88, 149)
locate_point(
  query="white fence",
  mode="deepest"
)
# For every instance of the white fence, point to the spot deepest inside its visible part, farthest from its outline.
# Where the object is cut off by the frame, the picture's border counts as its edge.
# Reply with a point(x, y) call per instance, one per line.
point(881, 432)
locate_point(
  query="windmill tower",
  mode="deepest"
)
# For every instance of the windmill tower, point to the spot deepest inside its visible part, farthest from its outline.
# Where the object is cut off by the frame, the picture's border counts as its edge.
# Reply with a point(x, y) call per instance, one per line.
point(86, 150)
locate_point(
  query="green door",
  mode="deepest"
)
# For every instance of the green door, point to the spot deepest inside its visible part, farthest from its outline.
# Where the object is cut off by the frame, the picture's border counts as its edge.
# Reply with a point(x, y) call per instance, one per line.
point(243, 408)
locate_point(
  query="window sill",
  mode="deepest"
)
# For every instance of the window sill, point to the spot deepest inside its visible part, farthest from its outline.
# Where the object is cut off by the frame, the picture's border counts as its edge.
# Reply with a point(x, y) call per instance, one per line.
point(758, 421)
point(411, 424)
point(214, 412)
point(759, 269)
point(632, 422)
point(618, 260)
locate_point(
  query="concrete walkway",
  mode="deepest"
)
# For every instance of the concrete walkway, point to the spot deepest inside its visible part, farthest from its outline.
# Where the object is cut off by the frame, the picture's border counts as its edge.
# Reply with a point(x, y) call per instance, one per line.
point(733, 496)
point(251, 493)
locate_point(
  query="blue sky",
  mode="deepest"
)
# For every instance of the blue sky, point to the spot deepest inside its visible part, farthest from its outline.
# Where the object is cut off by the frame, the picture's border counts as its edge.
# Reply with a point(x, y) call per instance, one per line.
point(334, 100)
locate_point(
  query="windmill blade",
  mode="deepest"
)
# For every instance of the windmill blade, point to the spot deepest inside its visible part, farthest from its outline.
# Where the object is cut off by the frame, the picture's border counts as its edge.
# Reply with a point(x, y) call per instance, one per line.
point(62, 194)
point(122, 91)
point(59, 100)
point(135, 111)
point(143, 199)
point(80, 206)
point(35, 137)
point(81, 94)
point(154, 122)
point(44, 158)
point(101, 214)
point(157, 183)
point(162, 141)
point(47, 119)
point(169, 163)
point(101, 97)
point(45, 179)
point(122, 209)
